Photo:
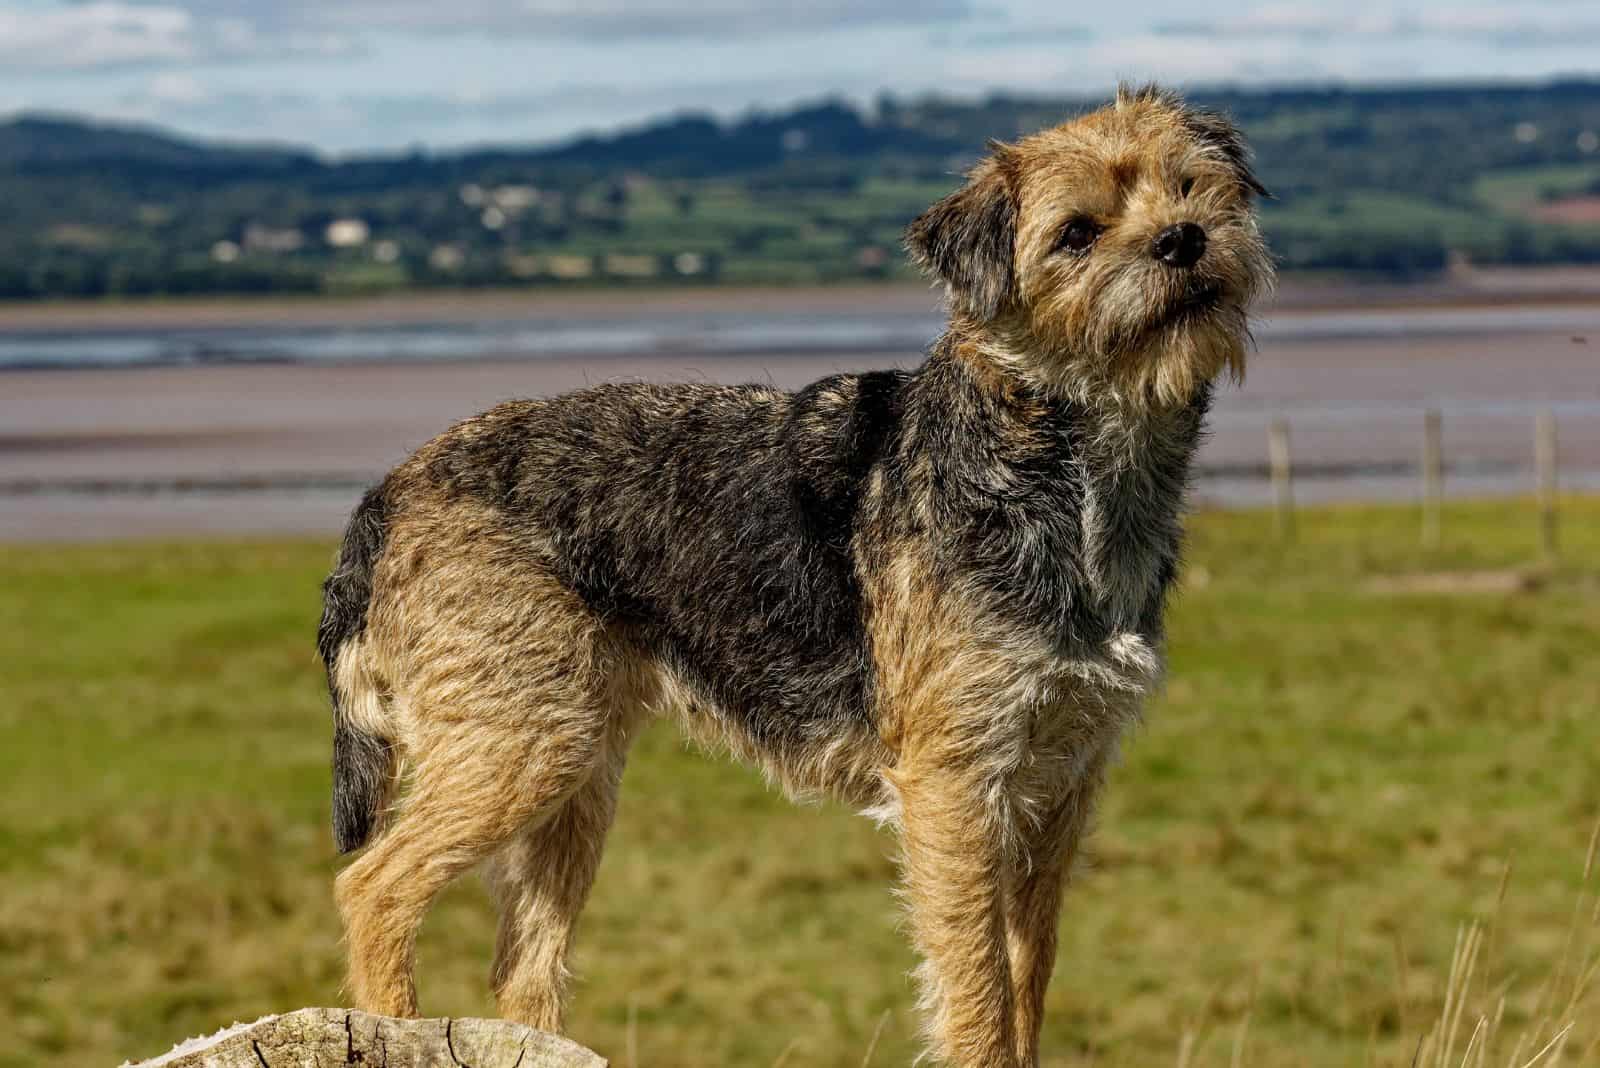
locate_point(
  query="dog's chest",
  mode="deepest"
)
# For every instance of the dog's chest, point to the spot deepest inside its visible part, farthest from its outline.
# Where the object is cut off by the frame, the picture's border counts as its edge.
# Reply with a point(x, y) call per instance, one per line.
point(1074, 531)
point(1128, 534)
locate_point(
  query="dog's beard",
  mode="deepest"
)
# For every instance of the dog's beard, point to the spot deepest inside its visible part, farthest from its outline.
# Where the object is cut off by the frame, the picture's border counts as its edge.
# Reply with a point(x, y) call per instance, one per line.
point(1172, 345)
point(1183, 354)
point(1147, 335)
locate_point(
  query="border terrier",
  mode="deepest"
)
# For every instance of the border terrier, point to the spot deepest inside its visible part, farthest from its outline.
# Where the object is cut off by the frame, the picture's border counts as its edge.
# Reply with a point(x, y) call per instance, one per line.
point(935, 594)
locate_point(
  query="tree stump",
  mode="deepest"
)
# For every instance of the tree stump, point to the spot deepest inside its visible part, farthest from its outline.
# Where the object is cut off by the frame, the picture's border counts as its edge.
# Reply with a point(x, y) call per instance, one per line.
point(326, 1038)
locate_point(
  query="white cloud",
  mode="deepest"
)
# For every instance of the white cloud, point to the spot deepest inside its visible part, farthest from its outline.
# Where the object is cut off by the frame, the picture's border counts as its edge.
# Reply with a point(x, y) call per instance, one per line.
point(1528, 25)
point(384, 73)
point(94, 35)
point(113, 33)
point(586, 19)
point(1096, 67)
point(175, 88)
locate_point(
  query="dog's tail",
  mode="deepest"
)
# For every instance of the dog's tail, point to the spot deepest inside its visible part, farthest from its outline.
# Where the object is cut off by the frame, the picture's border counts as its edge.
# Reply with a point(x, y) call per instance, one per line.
point(363, 758)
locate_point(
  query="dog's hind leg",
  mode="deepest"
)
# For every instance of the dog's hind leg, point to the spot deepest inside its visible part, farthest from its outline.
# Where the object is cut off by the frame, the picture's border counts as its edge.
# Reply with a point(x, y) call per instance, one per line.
point(502, 712)
point(541, 880)
point(472, 792)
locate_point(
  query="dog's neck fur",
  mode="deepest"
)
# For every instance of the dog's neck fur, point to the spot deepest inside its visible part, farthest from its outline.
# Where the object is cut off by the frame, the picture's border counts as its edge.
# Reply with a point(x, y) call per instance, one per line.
point(1117, 469)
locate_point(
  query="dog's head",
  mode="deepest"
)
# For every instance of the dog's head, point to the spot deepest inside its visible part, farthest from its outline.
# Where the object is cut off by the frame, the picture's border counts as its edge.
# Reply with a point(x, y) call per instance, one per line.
point(1116, 253)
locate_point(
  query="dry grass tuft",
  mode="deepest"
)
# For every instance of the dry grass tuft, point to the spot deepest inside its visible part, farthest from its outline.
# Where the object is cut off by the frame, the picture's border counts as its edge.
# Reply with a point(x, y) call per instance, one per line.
point(1473, 1014)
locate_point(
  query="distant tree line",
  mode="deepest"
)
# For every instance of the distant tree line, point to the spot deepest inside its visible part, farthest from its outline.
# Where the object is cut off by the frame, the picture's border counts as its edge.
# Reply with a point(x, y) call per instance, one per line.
point(1396, 182)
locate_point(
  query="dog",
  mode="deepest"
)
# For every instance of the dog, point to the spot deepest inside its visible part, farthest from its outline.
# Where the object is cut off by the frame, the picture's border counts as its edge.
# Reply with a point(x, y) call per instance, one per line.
point(934, 594)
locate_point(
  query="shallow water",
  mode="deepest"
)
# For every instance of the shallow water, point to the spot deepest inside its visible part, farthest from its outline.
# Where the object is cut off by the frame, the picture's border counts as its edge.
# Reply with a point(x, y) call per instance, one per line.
point(722, 332)
point(274, 429)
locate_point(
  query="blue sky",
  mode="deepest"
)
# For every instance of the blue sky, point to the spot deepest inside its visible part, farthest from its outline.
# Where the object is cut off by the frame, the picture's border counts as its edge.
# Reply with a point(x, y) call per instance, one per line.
point(348, 75)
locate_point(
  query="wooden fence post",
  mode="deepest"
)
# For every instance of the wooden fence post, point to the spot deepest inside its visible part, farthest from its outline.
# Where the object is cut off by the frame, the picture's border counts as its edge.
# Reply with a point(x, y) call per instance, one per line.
point(1432, 477)
point(1544, 459)
point(1282, 477)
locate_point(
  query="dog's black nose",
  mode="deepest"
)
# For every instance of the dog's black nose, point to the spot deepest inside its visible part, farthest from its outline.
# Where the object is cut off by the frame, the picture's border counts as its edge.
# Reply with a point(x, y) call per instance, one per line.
point(1179, 246)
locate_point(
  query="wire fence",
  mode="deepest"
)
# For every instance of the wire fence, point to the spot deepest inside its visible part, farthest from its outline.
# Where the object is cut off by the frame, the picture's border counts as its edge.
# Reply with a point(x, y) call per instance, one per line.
point(1336, 455)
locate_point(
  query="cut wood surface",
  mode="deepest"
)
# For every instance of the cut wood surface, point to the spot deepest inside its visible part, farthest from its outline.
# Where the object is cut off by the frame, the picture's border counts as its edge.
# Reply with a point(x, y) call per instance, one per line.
point(323, 1038)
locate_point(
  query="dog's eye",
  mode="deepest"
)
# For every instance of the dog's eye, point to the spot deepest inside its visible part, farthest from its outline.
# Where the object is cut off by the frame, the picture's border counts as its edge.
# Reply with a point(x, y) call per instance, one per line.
point(1080, 233)
point(1186, 187)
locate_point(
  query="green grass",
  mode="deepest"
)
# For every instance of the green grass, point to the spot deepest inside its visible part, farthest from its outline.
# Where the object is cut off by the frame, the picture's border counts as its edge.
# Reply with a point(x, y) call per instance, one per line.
point(1333, 783)
point(1372, 210)
point(1514, 192)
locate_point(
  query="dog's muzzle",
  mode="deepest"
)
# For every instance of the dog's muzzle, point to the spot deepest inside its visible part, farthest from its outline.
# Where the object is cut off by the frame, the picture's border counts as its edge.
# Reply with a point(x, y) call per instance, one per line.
point(1181, 245)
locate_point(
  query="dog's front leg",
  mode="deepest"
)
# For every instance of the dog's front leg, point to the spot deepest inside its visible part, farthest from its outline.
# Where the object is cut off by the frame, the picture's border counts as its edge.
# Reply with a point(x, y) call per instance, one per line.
point(954, 876)
point(1033, 903)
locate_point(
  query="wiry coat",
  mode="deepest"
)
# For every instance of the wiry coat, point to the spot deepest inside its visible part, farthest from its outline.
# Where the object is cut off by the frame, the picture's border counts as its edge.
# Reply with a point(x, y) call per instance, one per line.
point(935, 594)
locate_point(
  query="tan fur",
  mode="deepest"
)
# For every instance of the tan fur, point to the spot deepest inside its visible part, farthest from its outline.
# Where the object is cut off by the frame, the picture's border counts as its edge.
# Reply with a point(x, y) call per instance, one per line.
point(511, 703)
point(1123, 164)
point(505, 708)
point(1001, 746)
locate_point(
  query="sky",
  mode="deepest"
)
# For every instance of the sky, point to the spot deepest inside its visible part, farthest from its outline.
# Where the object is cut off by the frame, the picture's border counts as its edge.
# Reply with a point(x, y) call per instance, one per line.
point(359, 75)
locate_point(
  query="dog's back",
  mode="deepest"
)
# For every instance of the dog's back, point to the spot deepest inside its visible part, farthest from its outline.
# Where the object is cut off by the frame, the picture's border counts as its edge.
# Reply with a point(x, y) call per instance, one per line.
point(706, 528)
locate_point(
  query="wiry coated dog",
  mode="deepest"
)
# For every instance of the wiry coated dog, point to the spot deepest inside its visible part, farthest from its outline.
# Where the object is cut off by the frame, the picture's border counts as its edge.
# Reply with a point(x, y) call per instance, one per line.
point(934, 594)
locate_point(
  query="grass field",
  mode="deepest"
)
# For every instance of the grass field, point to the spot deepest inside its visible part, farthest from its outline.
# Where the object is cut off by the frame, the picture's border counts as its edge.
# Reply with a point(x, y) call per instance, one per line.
point(1518, 191)
point(1339, 777)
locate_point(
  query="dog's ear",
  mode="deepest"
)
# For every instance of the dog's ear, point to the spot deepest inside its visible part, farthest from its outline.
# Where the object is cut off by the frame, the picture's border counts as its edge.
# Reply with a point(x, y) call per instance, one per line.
point(1218, 131)
point(968, 239)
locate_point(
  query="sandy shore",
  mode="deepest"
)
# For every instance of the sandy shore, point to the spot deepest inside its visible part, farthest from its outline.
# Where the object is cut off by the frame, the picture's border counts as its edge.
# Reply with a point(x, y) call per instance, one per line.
point(284, 448)
point(269, 448)
point(451, 306)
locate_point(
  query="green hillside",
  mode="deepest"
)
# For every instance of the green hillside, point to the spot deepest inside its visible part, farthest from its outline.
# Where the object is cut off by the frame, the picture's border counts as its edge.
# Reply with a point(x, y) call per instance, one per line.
point(1390, 182)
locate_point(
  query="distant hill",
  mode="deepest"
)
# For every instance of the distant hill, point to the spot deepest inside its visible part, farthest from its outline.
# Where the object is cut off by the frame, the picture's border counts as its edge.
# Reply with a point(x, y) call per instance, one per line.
point(46, 144)
point(1392, 181)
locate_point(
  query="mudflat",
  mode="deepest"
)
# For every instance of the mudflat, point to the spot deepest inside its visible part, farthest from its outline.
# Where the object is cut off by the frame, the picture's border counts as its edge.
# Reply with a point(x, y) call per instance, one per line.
point(262, 448)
